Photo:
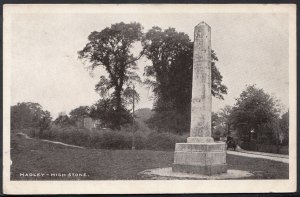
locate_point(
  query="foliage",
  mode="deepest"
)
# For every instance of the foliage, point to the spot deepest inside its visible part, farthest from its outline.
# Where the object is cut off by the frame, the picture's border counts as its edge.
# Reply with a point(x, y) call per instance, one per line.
point(63, 120)
point(216, 126)
point(143, 114)
point(163, 141)
point(110, 139)
point(276, 131)
point(79, 112)
point(169, 121)
point(284, 126)
point(255, 111)
point(225, 119)
point(271, 148)
point(105, 111)
point(169, 53)
point(170, 76)
point(111, 49)
point(29, 115)
point(67, 134)
point(30, 131)
point(130, 93)
point(215, 119)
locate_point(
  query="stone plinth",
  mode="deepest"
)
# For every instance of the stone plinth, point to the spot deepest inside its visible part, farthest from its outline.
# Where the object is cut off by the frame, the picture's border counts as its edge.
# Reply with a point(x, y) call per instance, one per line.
point(200, 158)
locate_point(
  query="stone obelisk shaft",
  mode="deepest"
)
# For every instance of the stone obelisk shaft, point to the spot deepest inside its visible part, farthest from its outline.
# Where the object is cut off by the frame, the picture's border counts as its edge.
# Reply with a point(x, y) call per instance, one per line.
point(201, 91)
point(201, 154)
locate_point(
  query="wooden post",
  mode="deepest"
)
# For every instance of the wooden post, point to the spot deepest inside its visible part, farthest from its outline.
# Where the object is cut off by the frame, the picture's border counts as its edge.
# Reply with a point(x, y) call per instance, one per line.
point(133, 139)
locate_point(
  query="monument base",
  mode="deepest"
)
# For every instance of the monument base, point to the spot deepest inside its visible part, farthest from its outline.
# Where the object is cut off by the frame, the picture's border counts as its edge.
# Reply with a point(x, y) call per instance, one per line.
point(204, 170)
point(200, 158)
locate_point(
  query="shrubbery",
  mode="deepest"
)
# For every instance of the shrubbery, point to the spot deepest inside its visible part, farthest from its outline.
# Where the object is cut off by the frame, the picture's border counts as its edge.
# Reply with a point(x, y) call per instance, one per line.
point(163, 141)
point(30, 131)
point(108, 139)
point(267, 148)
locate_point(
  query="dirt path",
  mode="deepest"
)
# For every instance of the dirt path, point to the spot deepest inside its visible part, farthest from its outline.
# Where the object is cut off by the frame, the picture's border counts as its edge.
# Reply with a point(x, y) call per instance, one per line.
point(50, 141)
point(274, 157)
point(54, 142)
point(266, 154)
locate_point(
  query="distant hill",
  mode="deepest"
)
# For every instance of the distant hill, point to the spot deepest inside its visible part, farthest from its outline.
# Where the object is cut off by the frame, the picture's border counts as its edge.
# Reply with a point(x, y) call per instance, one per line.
point(142, 115)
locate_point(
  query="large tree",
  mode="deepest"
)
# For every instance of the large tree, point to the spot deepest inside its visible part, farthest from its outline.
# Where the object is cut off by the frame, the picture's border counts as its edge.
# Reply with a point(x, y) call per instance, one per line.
point(104, 111)
point(254, 114)
point(111, 48)
point(28, 114)
point(170, 76)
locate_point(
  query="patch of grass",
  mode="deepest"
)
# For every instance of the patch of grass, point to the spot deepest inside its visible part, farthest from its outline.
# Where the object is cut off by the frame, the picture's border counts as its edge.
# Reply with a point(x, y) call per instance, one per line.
point(261, 168)
point(35, 156)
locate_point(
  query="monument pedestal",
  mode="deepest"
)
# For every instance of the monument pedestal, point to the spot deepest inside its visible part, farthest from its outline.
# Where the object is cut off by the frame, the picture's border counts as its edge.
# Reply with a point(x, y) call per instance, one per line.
point(200, 158)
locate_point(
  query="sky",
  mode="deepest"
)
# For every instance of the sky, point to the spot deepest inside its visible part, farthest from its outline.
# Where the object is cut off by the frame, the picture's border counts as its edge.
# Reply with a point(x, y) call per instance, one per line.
point(251, 48)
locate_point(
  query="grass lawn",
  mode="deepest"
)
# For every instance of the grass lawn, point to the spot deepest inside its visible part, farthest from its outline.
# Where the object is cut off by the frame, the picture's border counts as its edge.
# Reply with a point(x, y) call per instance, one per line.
point(35, 156)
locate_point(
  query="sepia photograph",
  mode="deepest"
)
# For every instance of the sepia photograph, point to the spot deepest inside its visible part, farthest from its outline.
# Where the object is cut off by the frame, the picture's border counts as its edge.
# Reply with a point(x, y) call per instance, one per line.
point(149, 98)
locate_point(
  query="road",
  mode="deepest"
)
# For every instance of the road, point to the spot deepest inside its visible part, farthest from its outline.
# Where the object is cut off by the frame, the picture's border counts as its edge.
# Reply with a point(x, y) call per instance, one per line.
point(270, 156)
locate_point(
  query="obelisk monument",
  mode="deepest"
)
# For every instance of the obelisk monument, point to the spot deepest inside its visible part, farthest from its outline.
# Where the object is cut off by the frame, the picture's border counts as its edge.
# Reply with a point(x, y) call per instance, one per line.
point(201, 154)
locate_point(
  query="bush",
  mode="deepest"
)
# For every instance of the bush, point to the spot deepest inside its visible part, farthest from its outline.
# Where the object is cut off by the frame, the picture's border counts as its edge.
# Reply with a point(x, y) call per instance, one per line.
point(267, 148)
point(108, 139)
point(30, 132)
point(170, 121)
point(163, 141)
point(69, 135)
point(140, 140)
point(116, 140)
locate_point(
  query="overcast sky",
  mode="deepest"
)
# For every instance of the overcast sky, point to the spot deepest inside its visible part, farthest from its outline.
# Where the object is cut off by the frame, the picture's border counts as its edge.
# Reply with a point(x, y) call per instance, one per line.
point(252, 49)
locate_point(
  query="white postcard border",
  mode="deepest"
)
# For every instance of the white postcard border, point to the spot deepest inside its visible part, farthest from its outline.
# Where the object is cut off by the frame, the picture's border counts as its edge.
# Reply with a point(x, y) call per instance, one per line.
point(151, 186)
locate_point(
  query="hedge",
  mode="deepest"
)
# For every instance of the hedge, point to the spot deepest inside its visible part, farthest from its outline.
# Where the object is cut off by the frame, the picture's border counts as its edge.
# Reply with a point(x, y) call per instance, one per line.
point(108, 139)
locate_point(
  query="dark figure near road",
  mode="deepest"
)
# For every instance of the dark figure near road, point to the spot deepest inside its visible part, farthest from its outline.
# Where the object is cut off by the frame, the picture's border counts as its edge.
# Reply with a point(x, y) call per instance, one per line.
point(231, 143)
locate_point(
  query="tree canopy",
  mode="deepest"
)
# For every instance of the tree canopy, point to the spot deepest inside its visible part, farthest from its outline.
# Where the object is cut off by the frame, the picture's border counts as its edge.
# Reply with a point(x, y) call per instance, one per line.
point(255, 110)
point(79, 112)
point(111, 49)
point(170, 76)
point(63, 120)
point(104, 111)
point(225, 119)
point(28, 114)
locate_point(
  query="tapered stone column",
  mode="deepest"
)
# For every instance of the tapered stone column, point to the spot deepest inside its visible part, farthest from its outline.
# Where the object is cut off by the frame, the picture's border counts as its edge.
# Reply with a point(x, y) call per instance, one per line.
point(201, 154)
point(201, 91)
